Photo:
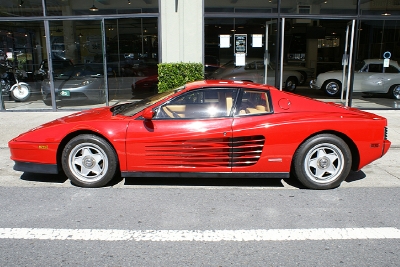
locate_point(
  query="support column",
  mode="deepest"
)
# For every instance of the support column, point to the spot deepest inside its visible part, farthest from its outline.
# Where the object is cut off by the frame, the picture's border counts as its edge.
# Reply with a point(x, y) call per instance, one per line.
point(182, 27)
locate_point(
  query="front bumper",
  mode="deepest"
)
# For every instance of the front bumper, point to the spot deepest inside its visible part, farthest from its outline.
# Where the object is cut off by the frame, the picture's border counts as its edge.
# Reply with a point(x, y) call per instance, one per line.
point(33, 167)
point(313, 84)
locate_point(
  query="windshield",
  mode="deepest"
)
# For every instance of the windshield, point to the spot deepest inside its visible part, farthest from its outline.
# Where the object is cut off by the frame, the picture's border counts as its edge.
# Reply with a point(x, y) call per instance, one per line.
point(359, 65)
point(77, 71)
point(130, 109)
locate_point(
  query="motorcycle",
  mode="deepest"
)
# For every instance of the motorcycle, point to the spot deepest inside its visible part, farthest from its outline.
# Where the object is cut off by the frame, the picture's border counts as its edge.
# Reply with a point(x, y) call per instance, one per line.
point(11, 86)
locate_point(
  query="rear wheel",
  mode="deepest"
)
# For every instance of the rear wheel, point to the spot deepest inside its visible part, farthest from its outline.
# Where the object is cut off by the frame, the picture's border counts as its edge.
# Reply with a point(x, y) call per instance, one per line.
point(394, 91)
point(89, 161)
point(332, 87)
point(291, 84)
point(322, 162)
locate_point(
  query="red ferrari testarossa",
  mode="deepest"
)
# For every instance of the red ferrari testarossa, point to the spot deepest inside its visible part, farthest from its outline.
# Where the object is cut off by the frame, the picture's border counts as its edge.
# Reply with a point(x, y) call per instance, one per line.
point(207, 129)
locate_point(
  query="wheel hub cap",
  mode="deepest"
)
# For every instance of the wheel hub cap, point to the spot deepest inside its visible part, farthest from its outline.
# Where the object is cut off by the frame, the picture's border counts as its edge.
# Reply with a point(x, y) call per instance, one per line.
point(88, 162)
point(323, 163)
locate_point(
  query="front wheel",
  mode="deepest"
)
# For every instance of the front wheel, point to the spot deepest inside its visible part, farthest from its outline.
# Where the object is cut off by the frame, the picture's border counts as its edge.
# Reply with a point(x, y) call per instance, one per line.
point(291, 84)
point(20, 92)
point(332, 87)
point(89, 161)
point(394, 92)
point(322, 162)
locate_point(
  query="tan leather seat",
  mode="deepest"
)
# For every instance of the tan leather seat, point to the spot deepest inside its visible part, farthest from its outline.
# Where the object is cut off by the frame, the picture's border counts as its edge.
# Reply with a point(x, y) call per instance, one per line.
point(229, 103)
point(253, 111)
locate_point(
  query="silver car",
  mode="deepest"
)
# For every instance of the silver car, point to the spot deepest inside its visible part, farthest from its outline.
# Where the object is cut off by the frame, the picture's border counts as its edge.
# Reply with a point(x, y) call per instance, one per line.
point(77, 82)
point(370, 76)
point(254, 71)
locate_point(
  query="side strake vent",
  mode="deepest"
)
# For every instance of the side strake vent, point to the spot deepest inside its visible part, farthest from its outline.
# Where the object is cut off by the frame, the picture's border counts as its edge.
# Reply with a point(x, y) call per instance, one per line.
point(247, 150)
point(206, 152)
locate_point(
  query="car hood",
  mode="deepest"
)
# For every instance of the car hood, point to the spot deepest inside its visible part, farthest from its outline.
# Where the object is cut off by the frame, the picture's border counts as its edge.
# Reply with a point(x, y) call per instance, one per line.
point(222, 71)
point(57, 129)
point(331, 73)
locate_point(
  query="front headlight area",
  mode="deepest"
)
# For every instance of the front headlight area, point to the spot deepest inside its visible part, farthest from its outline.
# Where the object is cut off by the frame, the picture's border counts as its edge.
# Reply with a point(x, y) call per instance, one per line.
point(86, 82)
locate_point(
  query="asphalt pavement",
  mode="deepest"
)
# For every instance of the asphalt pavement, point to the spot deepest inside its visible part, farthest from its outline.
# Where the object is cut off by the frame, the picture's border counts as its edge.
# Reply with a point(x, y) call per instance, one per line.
point(383, 172)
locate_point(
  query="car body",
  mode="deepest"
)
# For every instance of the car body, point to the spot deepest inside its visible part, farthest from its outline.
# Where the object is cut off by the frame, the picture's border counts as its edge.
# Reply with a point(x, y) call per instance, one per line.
point(254, 71)
point(306, 74)
point(58, 64)
point(370, 76)
point(207, 129)
point(211, 64)
point(145, 86)
point(77, 82)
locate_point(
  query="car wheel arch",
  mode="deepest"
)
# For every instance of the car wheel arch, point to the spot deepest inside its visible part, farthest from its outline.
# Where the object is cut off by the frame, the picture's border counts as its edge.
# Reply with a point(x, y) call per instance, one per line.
point(72, 135)
point(353, 147)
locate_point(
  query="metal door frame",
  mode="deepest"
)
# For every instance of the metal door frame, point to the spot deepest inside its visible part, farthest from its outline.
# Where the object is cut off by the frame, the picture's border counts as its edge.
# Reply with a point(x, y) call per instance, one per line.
point(347, 60)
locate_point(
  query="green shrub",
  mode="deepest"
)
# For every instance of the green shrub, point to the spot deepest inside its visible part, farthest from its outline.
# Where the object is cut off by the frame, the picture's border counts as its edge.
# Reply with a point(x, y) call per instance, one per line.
point(173, 75)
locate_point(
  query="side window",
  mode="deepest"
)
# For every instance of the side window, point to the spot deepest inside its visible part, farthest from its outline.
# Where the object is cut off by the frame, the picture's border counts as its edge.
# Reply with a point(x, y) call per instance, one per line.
point(199, 104)
point(253, 102)
point(378, 68)
point(391, 69)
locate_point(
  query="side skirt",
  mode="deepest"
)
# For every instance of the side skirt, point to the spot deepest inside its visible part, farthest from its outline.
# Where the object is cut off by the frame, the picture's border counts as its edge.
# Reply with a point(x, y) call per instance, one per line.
point(279, 175)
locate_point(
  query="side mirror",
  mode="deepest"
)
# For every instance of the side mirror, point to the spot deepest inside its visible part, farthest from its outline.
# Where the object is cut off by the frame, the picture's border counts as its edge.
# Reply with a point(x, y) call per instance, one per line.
point(148, 113)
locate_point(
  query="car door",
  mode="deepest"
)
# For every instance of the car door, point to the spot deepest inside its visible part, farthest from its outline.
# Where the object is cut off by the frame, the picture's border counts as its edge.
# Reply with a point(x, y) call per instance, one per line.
point(190, 133)
point(369, 79)
point(250, 133)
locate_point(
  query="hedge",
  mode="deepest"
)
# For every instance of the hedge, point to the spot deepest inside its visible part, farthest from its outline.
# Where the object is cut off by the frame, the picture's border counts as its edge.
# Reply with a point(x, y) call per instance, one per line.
point(173, 75)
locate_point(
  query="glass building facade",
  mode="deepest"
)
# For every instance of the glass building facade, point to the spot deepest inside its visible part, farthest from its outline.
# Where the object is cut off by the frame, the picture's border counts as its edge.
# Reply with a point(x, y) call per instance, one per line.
point(76, 54)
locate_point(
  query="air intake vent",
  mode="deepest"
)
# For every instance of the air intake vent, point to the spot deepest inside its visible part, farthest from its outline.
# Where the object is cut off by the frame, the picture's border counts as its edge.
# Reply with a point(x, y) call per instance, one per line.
point(246, 151)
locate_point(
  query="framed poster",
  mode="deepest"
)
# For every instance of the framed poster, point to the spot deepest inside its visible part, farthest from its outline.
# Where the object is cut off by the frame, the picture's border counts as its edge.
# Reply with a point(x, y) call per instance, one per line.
point(224, 41)
point(240, 43)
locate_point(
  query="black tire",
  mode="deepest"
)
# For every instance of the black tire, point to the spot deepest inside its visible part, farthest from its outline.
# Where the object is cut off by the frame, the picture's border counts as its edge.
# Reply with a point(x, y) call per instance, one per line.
point(332, 87)
point(291, 84)
point(89, 161)
point(102, 97)
point(322, 162)
point(47, 102)
point(20, 92)
point(394, 92)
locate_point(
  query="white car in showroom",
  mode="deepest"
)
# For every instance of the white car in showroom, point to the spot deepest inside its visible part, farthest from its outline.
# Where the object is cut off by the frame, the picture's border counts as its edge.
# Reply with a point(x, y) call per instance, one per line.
point(370, 77)
point(254, 71)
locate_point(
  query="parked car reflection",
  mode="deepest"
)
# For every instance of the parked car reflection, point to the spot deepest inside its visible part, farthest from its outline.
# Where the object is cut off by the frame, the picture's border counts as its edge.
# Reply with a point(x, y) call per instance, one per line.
point(370, 76)
point(77, 82)
point(254, 71)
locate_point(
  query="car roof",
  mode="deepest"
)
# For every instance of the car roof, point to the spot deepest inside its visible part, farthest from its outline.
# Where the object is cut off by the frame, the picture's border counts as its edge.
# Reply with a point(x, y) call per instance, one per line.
point(228, 83)
point(378, 60)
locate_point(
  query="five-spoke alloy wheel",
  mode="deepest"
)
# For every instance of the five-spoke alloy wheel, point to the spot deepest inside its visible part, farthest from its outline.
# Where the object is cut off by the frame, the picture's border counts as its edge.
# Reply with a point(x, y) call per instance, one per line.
point(89, 161)
point(322, 162)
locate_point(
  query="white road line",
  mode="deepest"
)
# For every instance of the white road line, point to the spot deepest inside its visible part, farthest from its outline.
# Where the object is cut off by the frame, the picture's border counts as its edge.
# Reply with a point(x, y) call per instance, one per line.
point(201, 235)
